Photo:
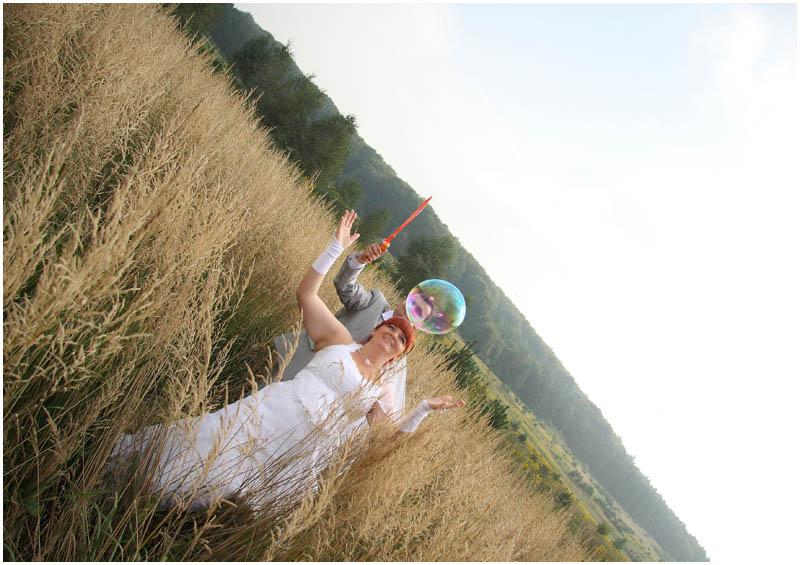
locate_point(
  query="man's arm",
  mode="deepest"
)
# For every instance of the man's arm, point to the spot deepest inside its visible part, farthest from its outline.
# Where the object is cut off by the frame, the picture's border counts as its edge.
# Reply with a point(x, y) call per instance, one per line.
point(351, 293)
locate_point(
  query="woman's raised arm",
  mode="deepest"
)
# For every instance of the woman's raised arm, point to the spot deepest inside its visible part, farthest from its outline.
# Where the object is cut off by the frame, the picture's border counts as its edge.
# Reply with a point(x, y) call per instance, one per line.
point(320, 323)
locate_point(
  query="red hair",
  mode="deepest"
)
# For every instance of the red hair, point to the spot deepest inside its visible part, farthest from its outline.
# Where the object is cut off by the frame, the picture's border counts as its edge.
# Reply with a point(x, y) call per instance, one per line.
point(404, 326)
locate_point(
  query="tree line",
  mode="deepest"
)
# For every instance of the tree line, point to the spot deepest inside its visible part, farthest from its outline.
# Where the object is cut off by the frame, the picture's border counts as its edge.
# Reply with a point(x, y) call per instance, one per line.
point(349, 173)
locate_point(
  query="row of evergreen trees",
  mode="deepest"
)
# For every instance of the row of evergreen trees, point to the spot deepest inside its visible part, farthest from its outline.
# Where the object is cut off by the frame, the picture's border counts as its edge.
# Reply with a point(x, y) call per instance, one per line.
point(293, 108)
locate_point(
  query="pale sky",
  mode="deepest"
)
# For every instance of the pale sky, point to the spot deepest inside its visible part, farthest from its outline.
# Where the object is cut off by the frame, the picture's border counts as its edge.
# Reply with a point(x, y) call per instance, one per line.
point(625, 174)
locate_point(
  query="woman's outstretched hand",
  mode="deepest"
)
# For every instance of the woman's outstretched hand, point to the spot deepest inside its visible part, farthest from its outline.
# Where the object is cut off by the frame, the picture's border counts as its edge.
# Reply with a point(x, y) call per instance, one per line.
point(342, 233)
point(445, 402)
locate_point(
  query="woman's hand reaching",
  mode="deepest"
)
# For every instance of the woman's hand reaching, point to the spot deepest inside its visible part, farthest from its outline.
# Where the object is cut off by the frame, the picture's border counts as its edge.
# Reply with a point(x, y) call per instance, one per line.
point(342, 233)
point(445, 402)
point(411, 421)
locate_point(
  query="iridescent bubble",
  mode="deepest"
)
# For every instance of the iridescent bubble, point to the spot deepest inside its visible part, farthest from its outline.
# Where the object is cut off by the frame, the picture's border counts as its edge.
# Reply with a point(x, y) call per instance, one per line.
point(435, 306)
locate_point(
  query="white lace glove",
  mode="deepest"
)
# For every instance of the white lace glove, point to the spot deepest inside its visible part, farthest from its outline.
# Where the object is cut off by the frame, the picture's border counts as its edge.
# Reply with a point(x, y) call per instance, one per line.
point(413, 419)
point(328, 257)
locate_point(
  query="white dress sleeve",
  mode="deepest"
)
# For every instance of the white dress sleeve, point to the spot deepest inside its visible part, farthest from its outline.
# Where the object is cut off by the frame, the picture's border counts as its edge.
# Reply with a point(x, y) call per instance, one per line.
point(411, 421)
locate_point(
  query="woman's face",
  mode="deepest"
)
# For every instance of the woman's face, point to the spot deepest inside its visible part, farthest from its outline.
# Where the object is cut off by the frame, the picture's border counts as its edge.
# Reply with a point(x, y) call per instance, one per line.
point(391, 339)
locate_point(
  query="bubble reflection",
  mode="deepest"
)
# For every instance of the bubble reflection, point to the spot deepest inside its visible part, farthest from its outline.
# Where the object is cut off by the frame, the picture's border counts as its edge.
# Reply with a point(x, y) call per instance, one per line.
point(435, 306)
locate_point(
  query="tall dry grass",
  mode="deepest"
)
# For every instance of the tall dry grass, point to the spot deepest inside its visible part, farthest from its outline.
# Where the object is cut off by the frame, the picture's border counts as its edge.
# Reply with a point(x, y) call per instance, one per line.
point(152, 241)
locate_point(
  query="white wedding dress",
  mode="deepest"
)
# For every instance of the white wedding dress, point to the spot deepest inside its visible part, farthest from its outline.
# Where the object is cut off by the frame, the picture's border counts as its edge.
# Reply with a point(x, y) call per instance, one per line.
point(268, 447)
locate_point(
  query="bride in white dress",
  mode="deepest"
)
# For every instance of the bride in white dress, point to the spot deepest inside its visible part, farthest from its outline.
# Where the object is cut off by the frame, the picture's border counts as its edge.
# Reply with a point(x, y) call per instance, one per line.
point(269, 447)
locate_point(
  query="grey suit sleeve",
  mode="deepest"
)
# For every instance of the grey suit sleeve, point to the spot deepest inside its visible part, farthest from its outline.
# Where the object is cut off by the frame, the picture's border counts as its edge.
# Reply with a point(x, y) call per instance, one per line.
point(352, 294)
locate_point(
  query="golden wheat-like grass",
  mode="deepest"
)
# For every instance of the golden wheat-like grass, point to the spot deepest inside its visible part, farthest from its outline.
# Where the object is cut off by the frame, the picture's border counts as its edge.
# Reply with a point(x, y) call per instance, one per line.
point(153, 238)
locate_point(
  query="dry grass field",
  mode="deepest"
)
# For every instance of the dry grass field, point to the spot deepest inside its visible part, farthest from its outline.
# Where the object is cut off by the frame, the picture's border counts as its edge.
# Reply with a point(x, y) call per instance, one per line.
point(152, 242)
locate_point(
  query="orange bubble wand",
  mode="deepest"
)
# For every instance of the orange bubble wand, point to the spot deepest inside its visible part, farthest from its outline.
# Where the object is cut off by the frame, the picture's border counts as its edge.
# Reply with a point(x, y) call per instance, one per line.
point(388, 241)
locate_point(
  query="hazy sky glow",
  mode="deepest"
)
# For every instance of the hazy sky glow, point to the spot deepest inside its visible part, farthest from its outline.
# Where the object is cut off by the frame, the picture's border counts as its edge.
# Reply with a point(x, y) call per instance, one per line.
point(632, 169)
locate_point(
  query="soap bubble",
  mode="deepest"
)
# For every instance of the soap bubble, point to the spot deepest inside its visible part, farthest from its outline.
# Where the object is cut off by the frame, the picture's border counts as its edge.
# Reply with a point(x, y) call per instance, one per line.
point(435, 306)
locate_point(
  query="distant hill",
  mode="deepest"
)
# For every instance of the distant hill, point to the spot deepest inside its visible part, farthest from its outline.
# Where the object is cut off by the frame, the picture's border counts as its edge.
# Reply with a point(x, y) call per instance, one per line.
point(506, 341)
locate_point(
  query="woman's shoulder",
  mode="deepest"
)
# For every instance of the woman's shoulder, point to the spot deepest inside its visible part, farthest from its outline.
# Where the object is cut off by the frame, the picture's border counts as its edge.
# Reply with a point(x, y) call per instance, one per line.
point(334, 351)
point(349, 347)
point(340, 339)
